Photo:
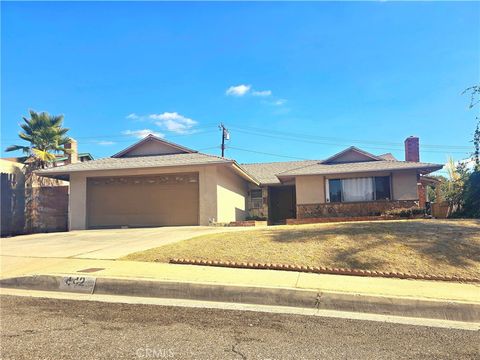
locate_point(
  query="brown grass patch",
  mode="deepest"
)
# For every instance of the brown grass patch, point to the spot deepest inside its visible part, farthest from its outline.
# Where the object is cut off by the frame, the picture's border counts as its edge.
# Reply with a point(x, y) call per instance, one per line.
point(435, 247)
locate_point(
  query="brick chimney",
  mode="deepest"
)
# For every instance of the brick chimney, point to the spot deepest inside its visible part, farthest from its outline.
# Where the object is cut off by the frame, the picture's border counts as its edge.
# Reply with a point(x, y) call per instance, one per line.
point(412, 149)
point(73, 156)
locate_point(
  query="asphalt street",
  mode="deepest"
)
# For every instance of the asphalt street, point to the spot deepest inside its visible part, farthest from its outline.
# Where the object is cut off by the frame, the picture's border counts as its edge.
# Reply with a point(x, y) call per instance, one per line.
point(36, 328)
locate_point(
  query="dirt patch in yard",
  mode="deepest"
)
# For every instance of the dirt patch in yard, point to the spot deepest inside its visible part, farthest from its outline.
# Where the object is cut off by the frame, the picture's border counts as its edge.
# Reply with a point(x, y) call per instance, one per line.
point(436, 247)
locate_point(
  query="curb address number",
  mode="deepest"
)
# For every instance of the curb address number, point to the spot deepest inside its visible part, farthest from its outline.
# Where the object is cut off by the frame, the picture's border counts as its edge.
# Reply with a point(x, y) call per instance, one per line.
point(78, 284)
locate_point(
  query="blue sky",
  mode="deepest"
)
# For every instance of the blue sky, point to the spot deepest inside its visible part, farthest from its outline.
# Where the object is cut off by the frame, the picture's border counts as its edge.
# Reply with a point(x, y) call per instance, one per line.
point(299, 80)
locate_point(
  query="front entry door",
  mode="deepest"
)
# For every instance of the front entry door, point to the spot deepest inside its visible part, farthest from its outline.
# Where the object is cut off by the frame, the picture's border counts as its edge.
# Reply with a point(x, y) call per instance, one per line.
point(282, 204)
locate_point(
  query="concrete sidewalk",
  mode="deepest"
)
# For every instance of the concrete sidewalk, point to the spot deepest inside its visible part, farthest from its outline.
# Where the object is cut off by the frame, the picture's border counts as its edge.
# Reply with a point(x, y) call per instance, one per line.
point(129, 270)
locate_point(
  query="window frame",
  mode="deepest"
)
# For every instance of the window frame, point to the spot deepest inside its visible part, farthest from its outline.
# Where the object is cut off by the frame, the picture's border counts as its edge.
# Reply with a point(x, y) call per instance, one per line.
point(327, 189)
point(256, 201)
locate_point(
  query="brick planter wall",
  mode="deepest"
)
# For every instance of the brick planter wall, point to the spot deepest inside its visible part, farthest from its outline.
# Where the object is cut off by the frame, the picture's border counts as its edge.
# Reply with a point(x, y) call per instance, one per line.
point(353, 209)
point(248, 223)
point(323, 270)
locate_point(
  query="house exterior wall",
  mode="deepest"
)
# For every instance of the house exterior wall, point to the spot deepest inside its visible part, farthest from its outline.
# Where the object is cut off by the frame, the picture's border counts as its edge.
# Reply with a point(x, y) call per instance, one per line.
point(404, 185)
point(311, 200)
point(232, 195)
point(310, 189)
point(351, 156)
point(152, 148)
point(77, 202)
point(207, 191)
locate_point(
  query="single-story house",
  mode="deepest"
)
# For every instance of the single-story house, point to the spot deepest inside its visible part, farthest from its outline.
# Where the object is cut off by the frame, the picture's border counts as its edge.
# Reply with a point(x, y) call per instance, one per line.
point(155, 182)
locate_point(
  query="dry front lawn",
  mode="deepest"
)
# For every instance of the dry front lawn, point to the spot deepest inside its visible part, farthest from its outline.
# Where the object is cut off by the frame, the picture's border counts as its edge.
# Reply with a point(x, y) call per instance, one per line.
point(435, 247)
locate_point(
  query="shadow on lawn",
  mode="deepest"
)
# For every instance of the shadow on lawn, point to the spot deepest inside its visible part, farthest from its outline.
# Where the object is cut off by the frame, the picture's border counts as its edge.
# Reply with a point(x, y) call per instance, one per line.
point(448, 242)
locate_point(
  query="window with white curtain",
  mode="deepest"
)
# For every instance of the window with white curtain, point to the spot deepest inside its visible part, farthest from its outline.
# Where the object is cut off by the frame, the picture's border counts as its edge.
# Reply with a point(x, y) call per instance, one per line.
point(358, 189)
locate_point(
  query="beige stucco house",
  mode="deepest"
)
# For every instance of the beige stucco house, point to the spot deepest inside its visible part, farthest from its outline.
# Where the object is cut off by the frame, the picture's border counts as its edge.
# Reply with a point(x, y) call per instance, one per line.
point(155, 183)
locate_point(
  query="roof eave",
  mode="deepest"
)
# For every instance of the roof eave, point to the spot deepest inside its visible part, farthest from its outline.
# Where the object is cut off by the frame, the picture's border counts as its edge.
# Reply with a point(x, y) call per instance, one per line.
point(422, 170)
point(48, 173)
point(242, 172)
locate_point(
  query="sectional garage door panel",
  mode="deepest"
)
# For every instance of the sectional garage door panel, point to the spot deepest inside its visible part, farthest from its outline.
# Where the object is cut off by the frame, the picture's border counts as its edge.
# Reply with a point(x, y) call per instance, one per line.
point(136, 201)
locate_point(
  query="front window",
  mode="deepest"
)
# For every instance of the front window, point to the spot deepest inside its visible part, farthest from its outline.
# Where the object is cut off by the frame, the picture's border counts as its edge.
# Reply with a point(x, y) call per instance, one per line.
point(256, 198)
point(359, 189)
point(382, 188)
point(335, 190)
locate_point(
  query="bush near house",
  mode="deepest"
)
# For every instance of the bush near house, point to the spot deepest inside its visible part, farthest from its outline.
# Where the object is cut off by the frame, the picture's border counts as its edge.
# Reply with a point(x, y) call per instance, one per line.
point(406, 213)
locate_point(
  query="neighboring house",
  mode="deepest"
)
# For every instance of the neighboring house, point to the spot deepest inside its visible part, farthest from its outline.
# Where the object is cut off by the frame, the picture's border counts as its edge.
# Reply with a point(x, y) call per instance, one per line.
point(155, 183)
point(60, 159)
point(34, 203)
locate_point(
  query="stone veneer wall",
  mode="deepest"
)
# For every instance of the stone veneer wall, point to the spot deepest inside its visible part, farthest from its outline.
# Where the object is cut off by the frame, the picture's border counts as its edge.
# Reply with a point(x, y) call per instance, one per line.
point(364, 208)
point(46, 209)
point(259, 212)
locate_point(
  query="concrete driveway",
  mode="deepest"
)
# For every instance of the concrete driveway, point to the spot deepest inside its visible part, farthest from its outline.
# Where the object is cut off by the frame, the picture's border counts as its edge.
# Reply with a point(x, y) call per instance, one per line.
point(100, 244)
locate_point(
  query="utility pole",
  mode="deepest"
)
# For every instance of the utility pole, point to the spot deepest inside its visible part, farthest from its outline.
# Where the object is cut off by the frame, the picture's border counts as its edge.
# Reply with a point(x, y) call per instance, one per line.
point(225, 136)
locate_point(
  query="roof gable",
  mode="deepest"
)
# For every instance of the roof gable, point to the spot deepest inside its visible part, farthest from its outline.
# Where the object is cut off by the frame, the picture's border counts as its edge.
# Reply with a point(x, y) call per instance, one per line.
point(388, 156)
point(351, 155)
point(152, 145)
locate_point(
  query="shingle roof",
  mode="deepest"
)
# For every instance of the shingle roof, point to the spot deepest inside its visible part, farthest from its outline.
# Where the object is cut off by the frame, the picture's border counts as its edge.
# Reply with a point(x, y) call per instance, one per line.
point(381, 165)
point(265, 173)
point(388, 156)
point(137, 162)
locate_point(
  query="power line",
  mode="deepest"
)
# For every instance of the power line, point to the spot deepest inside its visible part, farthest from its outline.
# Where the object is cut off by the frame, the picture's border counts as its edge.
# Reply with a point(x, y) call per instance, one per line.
point(129, 136)
point(293, 138)
point(331, 141)
point(266, 153)
point(334, 139)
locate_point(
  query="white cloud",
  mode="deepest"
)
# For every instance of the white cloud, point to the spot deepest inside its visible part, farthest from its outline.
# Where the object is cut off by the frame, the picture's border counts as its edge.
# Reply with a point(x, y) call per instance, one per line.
point(239, 90)
point(132, 116)
point(174, 122)
point(279, 102)
point(140, 134)
point(262, 92)
point(105, 142)
point(170, 121)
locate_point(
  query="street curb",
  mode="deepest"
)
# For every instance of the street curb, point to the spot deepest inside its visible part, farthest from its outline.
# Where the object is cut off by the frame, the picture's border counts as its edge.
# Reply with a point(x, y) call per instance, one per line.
point(322, 270)
point(408, 307)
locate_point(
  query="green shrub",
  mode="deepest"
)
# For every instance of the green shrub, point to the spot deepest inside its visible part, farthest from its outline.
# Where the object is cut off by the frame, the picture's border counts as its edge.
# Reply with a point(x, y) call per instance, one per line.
point(256, 218)
point(471, 197)
point(405, 212)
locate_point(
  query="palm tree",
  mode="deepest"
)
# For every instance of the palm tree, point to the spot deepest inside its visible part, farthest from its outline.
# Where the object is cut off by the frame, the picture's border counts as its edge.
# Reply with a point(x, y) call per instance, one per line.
point(46, 136)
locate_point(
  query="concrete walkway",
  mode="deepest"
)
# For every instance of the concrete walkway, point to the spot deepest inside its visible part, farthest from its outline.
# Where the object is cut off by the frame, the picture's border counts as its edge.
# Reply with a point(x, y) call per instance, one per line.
point(433, 290)
point(101, 244)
